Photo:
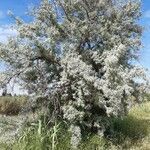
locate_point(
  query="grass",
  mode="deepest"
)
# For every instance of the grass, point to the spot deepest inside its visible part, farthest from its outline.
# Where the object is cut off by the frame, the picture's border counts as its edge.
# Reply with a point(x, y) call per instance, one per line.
point(133, 131)
point(129, 133)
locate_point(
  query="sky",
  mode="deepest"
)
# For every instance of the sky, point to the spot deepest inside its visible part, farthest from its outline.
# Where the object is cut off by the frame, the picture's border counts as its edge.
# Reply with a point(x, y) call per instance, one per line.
point(20, 8)
point(145, 21)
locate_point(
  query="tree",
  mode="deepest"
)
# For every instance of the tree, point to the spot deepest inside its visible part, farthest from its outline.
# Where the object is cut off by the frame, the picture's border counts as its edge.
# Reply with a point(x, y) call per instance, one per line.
point(79, 55)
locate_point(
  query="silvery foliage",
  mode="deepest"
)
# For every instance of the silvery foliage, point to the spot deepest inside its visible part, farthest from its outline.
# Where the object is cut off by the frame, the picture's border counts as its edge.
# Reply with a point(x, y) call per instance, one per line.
point(78, 54)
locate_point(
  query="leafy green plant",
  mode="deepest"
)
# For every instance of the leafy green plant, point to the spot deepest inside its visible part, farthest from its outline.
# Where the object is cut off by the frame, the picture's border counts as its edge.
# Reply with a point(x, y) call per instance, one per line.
point(38, 137)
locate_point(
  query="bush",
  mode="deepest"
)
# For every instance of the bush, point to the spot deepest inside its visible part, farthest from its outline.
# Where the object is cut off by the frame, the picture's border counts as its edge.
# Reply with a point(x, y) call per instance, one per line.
point(12, 105)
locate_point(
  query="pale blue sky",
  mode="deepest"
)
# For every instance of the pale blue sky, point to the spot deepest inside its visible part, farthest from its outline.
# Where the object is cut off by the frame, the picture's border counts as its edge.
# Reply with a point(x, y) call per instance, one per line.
point(19, 8)
point(145, 21)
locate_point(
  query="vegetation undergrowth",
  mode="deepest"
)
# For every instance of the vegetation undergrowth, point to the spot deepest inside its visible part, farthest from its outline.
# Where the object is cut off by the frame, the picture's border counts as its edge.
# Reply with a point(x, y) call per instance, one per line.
point(12, 105)
point(130, 132)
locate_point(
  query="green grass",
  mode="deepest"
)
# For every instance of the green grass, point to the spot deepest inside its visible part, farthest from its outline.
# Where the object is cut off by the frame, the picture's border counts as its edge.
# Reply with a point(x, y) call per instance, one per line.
point(133, 131)
point(129, 133)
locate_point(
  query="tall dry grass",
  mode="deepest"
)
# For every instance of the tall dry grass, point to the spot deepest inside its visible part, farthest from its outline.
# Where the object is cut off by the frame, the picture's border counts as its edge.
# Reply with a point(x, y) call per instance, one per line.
point(12, 105)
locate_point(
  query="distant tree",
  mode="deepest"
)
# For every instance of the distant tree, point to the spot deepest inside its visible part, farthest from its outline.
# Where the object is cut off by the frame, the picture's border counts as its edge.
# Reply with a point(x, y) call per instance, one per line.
point(4, 93)
point(79, 55)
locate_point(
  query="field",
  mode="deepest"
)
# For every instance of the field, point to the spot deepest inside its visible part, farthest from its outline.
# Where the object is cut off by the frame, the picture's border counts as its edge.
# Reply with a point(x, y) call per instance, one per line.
point(129, 133)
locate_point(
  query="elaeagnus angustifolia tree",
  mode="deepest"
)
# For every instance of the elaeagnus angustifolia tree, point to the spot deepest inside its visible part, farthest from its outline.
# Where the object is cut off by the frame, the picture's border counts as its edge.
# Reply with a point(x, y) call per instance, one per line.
point(79, 55)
